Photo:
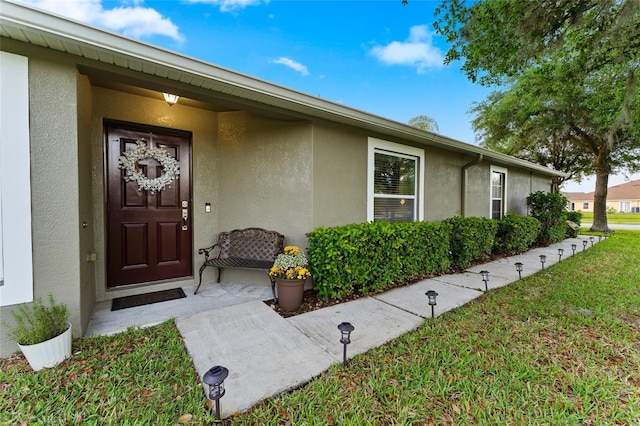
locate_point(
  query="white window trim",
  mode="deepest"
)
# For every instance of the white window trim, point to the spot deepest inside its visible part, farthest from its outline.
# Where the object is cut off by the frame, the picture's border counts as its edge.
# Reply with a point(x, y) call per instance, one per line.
point(504, 202)
point(394, 148)
point(15, 179)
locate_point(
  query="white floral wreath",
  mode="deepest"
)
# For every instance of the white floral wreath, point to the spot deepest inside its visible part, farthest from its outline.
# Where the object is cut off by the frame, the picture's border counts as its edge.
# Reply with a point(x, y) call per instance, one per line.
point(129, 163)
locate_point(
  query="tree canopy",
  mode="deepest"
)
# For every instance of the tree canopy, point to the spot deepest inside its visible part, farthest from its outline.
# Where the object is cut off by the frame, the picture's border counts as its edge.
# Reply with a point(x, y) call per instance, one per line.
point(567, 72)
point(424, 122)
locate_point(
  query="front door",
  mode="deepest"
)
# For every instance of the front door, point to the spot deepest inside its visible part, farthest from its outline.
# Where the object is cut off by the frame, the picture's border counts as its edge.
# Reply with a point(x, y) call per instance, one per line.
point(149, 232)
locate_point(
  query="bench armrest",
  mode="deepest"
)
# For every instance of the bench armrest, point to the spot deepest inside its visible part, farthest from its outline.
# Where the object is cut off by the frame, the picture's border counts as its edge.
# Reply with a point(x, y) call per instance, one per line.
point(207, 251)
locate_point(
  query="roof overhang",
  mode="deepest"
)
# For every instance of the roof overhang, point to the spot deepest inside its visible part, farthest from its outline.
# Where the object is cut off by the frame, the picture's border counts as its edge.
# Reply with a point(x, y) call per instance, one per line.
point(109, 58)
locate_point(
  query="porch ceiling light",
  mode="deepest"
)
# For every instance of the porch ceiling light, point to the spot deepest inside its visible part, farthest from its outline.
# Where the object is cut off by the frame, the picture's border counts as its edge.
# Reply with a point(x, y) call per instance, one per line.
point(170, 98)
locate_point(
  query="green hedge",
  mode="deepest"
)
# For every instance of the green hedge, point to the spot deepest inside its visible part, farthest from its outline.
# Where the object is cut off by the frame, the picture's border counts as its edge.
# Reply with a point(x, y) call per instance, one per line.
point(472, 238)
point(368, 257)
point(550, 210)
point(575, 217)
point(516, 234)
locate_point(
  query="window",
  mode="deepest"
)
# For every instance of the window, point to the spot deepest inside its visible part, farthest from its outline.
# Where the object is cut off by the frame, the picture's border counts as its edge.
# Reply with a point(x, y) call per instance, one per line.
point(585, 206)
point(498, 192)
point(395, 182)
point(625, 206)
point(16, 272)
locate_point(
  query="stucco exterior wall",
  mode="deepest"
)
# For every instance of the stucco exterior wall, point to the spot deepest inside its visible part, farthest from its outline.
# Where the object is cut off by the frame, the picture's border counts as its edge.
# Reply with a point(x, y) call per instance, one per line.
point(443, 180)
point(111, 104)
point(85, 206)
point(54, 188)
point(339, 176)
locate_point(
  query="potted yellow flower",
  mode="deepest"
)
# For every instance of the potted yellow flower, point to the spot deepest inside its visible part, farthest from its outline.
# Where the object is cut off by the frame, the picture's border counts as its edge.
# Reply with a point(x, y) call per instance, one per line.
point(290, 270)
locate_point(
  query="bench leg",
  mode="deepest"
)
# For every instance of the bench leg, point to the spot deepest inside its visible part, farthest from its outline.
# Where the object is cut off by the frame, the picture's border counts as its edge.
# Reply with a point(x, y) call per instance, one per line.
point(204, 265)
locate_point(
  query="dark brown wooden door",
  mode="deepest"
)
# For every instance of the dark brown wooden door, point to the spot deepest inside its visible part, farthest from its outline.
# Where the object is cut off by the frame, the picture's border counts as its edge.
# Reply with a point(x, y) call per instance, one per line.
point(148, 238)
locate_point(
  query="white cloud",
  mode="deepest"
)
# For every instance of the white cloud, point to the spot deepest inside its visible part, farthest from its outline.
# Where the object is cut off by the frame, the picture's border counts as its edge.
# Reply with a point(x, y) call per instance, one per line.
point(417, 51)
point(134, 21)
point(231, 5)
point(296, 66)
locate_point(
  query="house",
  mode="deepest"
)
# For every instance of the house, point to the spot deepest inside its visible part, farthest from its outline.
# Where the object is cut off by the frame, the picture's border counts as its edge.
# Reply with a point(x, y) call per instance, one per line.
point(624, 198)
point(249, 153)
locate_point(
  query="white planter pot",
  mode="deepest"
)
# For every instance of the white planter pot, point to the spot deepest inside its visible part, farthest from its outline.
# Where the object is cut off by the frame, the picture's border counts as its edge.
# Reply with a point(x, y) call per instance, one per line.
point(48, 353)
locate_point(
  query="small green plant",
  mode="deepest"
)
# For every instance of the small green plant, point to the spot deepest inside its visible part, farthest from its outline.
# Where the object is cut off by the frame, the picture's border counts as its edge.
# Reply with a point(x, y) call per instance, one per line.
point(550, 210)
point(36, 323)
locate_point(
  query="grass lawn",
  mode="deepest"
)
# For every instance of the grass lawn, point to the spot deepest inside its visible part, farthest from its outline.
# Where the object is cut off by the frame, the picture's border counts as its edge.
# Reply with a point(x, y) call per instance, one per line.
point(614, 218)
point(560, 347)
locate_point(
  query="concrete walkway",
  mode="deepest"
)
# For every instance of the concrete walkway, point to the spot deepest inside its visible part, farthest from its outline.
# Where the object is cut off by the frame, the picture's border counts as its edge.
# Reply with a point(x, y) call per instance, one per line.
point(267, 354)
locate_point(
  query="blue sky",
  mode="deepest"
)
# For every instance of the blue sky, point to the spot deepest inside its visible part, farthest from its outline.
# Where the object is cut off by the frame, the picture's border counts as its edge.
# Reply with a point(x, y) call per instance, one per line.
point(377, 56)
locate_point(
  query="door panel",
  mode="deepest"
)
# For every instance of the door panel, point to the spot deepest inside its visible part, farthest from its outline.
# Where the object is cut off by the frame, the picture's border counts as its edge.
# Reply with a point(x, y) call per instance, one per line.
point(146, 240)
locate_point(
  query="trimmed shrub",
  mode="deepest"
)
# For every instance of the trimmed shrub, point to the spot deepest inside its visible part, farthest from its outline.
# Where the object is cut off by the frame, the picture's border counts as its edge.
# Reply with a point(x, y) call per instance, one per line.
point(575, 217)
point(516, 233)
point(368, 257)
point(472, 238)
point(550, 210)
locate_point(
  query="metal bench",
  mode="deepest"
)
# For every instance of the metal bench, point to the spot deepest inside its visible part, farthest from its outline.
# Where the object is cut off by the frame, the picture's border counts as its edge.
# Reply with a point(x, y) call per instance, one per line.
point(250, 248)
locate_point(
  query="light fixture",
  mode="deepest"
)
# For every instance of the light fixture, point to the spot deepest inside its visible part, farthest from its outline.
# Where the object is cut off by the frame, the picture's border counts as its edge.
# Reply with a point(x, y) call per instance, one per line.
point(485, 278)
point(519, 269)
point(591, 239)
point(543, 259)
point(345, 330)
point(584, 245)
point(431, 294)
point(170, 98)
point(599, 238)
point(560, 252)
point(214, 378)
point(574, 247)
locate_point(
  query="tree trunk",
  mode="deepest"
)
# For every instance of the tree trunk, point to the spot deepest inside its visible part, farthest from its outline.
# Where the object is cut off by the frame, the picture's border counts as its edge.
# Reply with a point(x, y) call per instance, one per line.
point(600, 195)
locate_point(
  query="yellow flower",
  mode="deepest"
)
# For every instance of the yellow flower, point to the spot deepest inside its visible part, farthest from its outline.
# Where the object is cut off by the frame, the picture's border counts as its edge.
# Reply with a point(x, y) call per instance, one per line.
point(293, 250)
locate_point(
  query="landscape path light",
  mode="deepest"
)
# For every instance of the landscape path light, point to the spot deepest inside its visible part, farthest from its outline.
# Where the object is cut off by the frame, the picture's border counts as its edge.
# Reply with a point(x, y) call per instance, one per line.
point(584, 245)
point(431, 294)
point(485, 278)
point(345, 338)
point(519, 269)
point(599, 238)
point(574, 247)
point(214, 378)
point(560, 252)
point(543, 259)
point(591, 239)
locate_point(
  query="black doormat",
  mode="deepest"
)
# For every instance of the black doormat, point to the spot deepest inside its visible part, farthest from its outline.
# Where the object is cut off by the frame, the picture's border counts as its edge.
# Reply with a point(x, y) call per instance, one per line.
point(146, 299)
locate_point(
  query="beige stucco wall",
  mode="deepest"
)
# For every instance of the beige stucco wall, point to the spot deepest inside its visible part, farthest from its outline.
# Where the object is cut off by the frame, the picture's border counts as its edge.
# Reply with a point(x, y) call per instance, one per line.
point(55, 200)
point(443, 180)
point(339, 176)
point(85, 204)
point(115, 105)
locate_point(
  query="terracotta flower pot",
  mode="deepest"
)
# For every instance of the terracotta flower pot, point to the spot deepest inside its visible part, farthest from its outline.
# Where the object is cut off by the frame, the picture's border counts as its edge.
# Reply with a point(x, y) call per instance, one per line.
point(290, 293)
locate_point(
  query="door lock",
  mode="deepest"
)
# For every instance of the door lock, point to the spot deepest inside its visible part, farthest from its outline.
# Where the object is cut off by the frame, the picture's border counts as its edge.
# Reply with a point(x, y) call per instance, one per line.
point(185, 219)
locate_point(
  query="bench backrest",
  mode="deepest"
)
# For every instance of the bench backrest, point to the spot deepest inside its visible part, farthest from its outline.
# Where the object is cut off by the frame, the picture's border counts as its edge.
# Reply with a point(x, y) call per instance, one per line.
point(251, 243)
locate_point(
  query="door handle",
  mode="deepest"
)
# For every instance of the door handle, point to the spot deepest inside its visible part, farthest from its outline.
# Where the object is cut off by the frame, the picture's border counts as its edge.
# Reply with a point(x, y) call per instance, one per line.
point(185, 219)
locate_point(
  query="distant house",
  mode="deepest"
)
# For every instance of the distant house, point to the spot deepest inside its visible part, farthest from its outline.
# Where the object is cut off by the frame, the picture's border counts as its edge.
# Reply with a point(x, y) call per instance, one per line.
point(249, 154)
point(624, 198)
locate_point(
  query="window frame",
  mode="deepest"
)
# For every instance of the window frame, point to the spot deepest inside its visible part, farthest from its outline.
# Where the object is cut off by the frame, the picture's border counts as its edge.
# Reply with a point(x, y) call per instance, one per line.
point(15, 180)
point(391, 148)
point(505, 172)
